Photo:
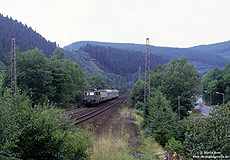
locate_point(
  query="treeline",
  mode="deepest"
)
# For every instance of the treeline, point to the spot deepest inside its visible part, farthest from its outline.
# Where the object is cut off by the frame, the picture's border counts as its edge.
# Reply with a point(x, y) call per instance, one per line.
point(174, 87)
point(55, 80)
point(37, 131)
point(26, 38)
point(119, 61)
point(216, 83)
point(94, 68)
point(177, 78)
point(191, 54)
point(209, 54)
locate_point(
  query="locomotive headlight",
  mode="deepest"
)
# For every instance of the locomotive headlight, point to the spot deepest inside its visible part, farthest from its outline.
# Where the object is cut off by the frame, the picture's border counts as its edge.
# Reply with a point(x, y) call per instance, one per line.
point(91, 93)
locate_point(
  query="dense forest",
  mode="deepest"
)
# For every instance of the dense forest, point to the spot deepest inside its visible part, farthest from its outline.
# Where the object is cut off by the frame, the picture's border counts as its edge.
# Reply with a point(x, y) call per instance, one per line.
point(26, 38)
point(203, 59)
point(119, 61)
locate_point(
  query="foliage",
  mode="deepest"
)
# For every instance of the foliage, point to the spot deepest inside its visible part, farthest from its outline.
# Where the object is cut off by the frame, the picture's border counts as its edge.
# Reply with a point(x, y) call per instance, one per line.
point(119, 61)
point(160, 119)
point(177, 78)
point(67, 83)
point(93, 67)
point(214, 81)
point(26, 38)
point(137, 93)
point(178, 146)
point(38, 132)
point(210, 134)
point(150, 149)
point(57, 80)
point(205, 55)
point(96, 81)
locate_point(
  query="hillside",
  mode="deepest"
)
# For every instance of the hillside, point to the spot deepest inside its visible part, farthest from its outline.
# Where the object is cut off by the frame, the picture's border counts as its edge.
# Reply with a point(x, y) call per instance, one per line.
point(26, 38)
point(202, 58)
point(222, 49)
point(118, 61)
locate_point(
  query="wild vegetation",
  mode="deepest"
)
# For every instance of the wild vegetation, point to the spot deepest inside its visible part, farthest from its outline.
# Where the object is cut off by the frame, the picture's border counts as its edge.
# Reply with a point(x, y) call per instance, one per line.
point(127, 63)
point(177, 78)
point(208, 57)
point(216, 83)
point(26, 38)
point(161, 113)
point(210, 134)
point(38, 132)
point(54, 80)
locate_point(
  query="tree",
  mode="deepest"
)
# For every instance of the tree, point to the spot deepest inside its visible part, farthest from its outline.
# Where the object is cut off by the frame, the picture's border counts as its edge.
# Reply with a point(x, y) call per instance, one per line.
point(136, 94)
point(96, 81)
point(59, 54)
point(217, 80)
point(33, 75)
point(179, 78)
point(54, 80)
point(210, 134)
point(161, 119)
point(38, 132)
point(67, 82)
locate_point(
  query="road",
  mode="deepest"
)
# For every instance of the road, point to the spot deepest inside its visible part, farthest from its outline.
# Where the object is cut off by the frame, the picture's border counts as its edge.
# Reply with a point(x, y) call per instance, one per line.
point(203, 108)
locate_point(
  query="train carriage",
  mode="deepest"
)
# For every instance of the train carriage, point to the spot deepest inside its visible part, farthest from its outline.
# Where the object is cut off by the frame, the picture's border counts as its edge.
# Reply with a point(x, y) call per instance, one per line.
point(94, 96)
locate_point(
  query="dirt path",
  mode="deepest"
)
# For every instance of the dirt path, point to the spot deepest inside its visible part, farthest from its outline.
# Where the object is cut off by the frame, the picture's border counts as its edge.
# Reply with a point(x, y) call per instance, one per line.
point(114, 121)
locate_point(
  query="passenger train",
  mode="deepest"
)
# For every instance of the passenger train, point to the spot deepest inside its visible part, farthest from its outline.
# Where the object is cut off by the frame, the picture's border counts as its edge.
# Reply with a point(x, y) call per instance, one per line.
point(94, 96)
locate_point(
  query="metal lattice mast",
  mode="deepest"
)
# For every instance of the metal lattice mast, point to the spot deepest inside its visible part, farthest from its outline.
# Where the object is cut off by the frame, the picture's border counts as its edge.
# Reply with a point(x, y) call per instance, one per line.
point(147, 73)
point(85, 78)
point(139, 76)
point(13, 70)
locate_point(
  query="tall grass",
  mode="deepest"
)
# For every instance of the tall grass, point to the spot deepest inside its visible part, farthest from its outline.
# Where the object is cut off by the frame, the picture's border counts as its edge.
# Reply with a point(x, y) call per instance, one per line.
point(112, 147)
point(116, 146)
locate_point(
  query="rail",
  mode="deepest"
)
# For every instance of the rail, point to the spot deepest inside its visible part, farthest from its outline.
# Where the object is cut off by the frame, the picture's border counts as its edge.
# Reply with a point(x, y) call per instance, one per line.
point(96, 112)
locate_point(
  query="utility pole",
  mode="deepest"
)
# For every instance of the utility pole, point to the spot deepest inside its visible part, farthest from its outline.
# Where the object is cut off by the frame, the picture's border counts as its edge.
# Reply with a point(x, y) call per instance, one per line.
point(179, 106)
point(85, 78)
point(139, 76)
point(13, 72)
point(147, 73)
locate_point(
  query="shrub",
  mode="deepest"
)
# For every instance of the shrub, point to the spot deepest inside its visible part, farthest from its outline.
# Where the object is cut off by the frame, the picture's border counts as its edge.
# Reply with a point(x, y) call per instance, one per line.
point(38, 132)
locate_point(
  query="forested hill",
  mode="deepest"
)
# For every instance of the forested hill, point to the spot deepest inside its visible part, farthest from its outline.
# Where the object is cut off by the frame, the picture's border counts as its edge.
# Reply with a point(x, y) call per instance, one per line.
point(26, 38)
point(221, 49)
point(118, 61)
point(201, 58)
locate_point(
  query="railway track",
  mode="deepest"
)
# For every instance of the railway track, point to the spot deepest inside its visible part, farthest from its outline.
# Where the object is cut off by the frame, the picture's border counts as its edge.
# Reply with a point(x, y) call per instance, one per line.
point(97, 111)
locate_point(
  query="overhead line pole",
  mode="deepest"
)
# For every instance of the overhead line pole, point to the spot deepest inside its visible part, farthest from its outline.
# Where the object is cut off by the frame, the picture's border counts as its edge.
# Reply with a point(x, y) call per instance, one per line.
point(13, 71)
point(147, 73)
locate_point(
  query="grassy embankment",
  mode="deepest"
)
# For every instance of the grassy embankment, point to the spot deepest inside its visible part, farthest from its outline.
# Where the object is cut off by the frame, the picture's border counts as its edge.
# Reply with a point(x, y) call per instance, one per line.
point(117, 147)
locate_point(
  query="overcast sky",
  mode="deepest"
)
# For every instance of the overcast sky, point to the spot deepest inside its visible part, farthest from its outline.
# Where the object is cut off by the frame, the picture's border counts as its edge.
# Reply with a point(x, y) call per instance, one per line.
point(172, 23)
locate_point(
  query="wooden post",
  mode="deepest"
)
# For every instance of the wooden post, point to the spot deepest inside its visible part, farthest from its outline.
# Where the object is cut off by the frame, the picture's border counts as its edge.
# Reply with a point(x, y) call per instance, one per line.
point(178, 154)
point(185, 156)
point(172, 152)
point(195, 156)
point(167, 154)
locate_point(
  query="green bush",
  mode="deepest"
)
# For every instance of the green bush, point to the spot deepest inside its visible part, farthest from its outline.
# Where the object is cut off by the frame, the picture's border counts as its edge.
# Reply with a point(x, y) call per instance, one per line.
point(178, 146)
point(38, 132)
point(210, 134)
